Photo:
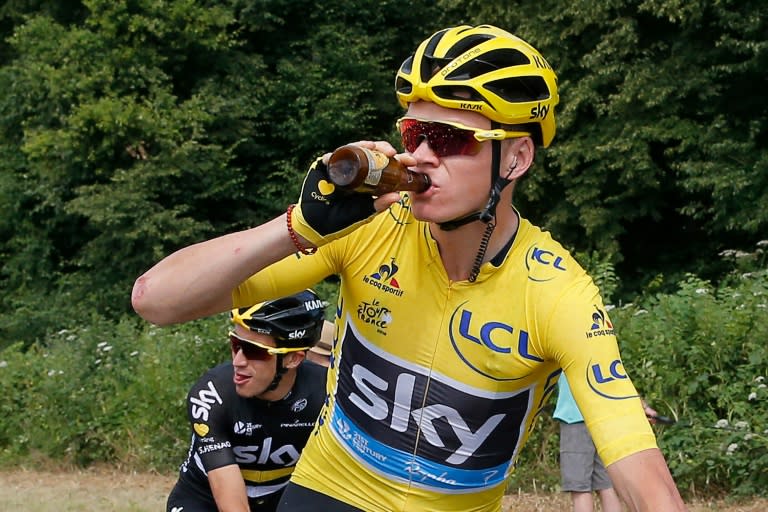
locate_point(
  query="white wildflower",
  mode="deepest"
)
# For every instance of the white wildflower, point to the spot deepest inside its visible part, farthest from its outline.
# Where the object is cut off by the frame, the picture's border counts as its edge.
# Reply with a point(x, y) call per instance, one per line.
point(641, 312)
point(3, 364)
point(748, 436)
point(101, 344)
point(732, 448)
point(741, 425)
point(762, 243)
point(721, 424)
point(609, 307)
point(106, 348)
point(134, 353)
point(752, 396)
point(51, 373)
point(761, 386)
point(701, 291)
point(97, 361)
point(759, 378)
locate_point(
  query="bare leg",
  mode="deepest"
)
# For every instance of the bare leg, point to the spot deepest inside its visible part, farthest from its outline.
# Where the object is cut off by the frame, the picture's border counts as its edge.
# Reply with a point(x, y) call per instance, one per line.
point(582, 501)
point(609, 500)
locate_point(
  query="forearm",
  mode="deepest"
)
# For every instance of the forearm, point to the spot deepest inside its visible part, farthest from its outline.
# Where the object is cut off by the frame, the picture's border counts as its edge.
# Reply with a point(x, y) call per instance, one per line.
point(198, 280)
point(644, 483)
point(228, 489)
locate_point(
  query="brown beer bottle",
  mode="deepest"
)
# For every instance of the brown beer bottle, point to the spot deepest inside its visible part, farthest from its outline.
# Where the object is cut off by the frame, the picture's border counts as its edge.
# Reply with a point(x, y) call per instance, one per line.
point(357, 169)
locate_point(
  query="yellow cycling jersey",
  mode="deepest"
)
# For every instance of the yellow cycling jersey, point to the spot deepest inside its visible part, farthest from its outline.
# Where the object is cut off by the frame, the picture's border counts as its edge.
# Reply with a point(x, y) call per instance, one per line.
point(434, 384)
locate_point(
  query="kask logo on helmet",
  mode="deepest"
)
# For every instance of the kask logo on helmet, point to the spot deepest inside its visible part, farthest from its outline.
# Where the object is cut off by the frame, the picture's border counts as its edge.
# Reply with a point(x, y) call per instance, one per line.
point(312, 305)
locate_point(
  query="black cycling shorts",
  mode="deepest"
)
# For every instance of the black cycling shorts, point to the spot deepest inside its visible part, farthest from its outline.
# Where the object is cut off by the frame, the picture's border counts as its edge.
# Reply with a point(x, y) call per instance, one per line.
point(300, 499)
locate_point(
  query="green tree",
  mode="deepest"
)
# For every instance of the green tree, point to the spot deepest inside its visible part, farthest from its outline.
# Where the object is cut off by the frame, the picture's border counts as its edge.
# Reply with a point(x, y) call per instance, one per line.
point(150, 125)
point(660, 159)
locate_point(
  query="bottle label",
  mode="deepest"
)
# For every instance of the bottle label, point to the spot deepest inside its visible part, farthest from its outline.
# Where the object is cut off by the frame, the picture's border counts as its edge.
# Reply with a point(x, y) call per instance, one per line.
point(377, 161)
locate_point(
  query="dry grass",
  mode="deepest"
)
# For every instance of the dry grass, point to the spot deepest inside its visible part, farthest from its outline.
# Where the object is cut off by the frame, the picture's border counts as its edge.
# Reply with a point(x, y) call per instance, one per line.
point(23, 490)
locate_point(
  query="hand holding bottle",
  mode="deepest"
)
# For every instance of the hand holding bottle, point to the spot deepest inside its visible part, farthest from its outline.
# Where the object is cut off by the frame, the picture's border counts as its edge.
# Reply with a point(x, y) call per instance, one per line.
point(325, 212)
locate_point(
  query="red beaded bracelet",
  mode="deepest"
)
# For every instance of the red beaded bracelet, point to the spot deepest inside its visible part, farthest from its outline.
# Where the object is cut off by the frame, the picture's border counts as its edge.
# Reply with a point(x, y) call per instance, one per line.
point(292, 234)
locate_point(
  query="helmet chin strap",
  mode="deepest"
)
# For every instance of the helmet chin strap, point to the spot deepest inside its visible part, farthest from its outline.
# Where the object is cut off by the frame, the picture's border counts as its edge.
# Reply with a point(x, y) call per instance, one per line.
point(279, 372)
point(488, 214)
point(497, 185)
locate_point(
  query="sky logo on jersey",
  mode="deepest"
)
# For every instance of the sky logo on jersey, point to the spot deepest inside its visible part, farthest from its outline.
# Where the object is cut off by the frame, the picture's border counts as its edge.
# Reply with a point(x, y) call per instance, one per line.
point(385, 279)
point(601, 324)
point(542, 265)
point(609, 380)
point(205, 399)
point(286, 455)
point(414, 425)
point(467, 333)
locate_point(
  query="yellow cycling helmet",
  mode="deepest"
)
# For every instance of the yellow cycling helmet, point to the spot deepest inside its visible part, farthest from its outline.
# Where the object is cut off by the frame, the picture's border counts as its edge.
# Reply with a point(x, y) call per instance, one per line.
point(487, 70)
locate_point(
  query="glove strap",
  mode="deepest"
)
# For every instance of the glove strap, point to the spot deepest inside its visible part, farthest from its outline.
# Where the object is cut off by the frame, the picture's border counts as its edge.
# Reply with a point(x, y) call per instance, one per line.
point(292, 234)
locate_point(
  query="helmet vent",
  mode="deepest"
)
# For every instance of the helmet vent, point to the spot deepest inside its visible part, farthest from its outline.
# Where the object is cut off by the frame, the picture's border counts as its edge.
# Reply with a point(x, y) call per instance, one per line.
point(457, 92)
point(520, 89)
point(491, 61)
point(466, 44)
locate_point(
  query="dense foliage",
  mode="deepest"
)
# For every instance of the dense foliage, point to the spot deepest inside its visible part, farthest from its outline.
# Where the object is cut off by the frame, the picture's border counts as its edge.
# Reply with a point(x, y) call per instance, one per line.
point(129, 129)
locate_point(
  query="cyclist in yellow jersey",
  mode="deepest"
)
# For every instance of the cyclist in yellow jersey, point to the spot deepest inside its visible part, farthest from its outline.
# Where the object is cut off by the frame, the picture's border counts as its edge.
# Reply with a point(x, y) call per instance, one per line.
point(455, 315)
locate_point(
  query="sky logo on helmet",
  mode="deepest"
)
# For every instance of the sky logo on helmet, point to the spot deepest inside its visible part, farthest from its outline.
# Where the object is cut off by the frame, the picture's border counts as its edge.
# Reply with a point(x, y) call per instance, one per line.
point(297, 334)
point(539, 111)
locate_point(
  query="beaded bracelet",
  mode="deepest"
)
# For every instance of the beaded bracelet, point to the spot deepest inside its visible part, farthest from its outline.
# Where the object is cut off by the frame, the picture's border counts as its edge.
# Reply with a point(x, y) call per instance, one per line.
point(292, 234)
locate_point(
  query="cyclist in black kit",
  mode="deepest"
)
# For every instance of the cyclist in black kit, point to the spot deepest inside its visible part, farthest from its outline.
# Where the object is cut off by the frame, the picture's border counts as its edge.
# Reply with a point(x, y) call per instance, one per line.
point(251, 418)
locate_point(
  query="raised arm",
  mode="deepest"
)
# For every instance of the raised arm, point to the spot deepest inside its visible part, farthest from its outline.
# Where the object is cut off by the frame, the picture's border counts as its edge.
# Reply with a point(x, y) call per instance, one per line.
point(644, 483)
point(198, 280)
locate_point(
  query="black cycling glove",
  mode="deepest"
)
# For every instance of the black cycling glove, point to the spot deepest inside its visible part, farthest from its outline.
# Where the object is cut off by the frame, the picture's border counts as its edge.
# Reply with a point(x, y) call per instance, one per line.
point(324, 213)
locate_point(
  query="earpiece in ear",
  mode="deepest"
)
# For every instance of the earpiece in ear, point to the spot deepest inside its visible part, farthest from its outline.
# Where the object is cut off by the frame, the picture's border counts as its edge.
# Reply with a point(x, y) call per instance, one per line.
point(512, 167)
